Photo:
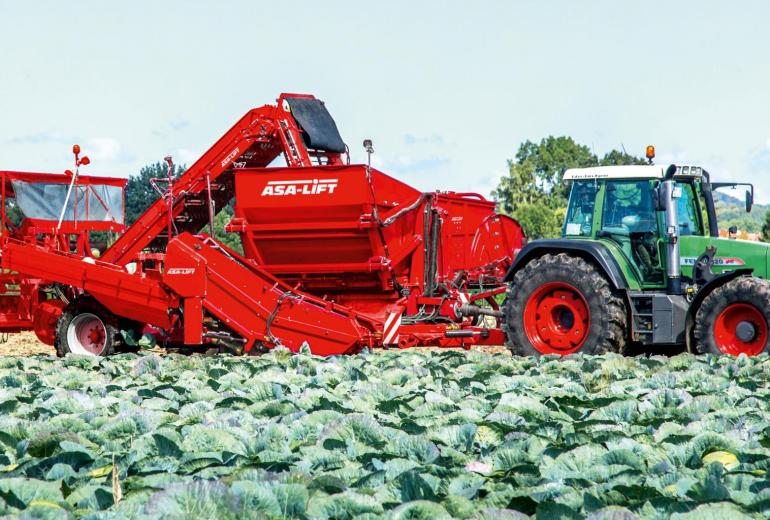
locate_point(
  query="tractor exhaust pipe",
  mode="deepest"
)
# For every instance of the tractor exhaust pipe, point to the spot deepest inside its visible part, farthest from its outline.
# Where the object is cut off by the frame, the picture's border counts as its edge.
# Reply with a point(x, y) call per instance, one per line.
point(669, 195)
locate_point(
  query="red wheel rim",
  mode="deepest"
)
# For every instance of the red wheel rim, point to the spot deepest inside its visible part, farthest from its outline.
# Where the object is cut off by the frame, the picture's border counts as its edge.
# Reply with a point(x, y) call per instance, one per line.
point(727, 330)
point(556, 319)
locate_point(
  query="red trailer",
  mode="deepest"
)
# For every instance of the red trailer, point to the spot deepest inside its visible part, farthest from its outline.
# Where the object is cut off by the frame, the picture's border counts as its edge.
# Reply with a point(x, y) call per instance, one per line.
point(335, 255)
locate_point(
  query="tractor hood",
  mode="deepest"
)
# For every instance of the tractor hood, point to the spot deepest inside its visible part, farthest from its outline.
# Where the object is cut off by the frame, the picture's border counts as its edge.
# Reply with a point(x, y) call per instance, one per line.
point(730, 254)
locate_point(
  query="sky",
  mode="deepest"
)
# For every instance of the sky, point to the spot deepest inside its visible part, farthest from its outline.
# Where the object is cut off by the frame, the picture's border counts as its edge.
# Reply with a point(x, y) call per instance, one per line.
point(446, 90)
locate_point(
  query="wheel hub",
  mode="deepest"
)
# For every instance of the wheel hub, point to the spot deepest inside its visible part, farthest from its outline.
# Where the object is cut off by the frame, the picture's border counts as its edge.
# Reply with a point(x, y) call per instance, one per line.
point(556, 319)
point(566, 319)
point(740, 329)
point(87, 335)
point(746, 331)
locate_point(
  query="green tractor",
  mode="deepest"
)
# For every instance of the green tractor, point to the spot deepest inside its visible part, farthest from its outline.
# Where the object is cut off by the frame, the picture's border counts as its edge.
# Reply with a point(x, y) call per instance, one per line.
point(640, 265)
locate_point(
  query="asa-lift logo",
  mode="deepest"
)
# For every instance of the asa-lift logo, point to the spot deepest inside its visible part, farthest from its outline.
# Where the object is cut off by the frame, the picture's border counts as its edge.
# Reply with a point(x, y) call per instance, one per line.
point(299, 187)
point(180, 270)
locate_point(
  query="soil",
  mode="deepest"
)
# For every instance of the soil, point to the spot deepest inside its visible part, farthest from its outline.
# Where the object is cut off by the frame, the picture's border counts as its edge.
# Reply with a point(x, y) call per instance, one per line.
point(24, 344)
point(27, 344)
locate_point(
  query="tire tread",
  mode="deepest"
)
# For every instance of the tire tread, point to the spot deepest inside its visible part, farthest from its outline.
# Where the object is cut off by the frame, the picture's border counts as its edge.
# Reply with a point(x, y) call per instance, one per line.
point(70, 312)
point(748, 289)
point(553, 267)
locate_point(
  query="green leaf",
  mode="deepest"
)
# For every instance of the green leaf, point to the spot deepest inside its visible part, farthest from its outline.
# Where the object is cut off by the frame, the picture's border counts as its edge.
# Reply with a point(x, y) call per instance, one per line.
point(292, 498)
point(613, 513)
point(200, 499)
point(554, 511)
point(420, 510)
point(258, 497)
point(411, 485)
point(466, 485)
point(343, 506)
point(19, 492)
point(716, 511)
point(198, 438)
point(499, 514)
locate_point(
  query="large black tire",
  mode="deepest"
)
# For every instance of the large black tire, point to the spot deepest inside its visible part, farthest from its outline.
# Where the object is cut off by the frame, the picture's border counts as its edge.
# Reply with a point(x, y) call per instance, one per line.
point(578, 286)
point(735, 318)
point(85, 328)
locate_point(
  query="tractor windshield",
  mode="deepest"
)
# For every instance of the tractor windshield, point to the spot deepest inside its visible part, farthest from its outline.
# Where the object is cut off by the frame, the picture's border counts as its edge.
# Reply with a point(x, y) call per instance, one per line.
point(628, 207)
point(90, 202)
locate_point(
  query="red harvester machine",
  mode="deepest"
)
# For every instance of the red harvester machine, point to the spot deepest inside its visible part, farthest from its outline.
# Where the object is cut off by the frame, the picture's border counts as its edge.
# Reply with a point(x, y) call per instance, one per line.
point(337, 255)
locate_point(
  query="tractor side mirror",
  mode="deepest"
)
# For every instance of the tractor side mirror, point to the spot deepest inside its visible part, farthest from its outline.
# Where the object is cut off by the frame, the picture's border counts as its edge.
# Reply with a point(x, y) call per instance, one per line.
point(749, 199)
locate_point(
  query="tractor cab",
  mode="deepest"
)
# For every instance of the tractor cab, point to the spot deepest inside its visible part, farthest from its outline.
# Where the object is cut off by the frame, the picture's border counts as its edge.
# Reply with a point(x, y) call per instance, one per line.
point(63, 212)
point(623, 207)
point(49, 209)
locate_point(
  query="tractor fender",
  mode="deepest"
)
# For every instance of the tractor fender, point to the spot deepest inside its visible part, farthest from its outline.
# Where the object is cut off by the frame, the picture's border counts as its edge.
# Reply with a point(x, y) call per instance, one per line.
point(591, 251)
point(704, 291)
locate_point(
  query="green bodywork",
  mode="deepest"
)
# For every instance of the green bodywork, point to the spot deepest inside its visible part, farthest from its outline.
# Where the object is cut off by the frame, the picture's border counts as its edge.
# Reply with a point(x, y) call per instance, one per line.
point(647, 271)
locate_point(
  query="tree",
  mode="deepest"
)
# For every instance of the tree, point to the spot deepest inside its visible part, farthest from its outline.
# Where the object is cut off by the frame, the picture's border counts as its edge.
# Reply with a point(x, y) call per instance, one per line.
point(550, 158)
point(231, 240)
point(533, 192)
point(766, 228)
point(519, 188)
point(139, 192)
point(535, 175)
point(539, 221)
point(620, 158)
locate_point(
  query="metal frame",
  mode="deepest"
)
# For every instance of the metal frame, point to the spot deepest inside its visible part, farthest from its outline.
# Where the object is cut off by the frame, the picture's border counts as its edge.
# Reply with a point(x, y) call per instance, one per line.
point(28, 301)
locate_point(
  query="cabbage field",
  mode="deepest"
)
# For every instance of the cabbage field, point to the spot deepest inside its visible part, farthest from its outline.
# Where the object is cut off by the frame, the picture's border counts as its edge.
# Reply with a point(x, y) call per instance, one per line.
point(403, 435)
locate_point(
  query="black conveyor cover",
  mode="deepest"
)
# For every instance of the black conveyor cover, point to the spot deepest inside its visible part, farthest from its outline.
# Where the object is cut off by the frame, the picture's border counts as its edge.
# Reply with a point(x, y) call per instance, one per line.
point(319, 129)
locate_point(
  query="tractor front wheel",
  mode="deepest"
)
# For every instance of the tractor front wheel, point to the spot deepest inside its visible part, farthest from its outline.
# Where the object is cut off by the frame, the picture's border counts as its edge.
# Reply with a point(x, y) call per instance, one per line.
point(85, 328)
point(559, 304)
point(735, 319)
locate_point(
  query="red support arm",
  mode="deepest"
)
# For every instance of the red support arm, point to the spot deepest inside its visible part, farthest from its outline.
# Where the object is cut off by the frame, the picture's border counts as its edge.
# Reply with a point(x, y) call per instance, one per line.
point(260, 136)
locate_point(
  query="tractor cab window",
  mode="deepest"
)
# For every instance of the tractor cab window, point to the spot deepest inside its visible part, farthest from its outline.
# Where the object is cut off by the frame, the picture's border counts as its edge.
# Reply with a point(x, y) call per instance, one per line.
point(580, 212)
point(629, 219)
point(687, 211)
point(13, 214)
point(92, 202)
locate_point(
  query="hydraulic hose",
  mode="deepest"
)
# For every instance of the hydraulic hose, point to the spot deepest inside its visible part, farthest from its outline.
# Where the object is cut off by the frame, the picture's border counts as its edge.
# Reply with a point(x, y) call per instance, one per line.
point(475, 310)
point(432, 267)
point(403, 211)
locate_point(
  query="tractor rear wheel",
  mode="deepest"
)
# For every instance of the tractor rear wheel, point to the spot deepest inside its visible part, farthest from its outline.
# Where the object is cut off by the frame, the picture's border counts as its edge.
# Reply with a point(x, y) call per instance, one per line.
point(735, 319)
point(559, 304)
point(85, 328)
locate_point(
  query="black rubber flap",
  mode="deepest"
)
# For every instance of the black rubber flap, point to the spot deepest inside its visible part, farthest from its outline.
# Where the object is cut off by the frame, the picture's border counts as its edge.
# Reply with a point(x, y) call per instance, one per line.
point(320, 130)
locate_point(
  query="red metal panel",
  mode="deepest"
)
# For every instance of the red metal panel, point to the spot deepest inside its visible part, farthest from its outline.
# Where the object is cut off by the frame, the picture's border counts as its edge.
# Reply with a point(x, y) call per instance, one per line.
point(319, 222)
point(193, 321)
point(137, 297)
point(258, 306)
point(316, 227)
